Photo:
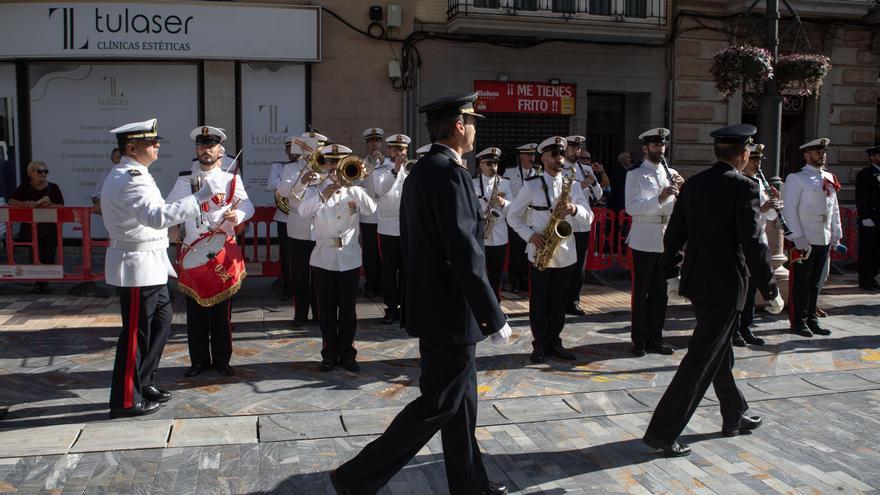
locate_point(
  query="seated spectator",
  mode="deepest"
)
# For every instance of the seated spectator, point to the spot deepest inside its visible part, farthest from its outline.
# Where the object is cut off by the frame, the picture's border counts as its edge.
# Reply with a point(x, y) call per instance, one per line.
point(39, 192)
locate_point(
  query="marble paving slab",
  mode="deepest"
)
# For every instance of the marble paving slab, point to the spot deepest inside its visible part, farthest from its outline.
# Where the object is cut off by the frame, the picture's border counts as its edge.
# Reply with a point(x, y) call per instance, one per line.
point(123, 435)
point(227, 430)
point(301, 426)
point(41, 440)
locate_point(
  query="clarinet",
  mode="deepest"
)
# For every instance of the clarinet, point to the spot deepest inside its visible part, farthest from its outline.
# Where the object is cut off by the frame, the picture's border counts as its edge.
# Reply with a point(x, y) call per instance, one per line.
point(666, 169)
point(785, 230)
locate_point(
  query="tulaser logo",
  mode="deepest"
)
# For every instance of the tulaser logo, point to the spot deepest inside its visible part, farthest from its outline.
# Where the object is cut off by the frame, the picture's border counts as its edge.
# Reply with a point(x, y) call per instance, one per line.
point(114, 98)
point(275, 134)
point(115, 92)
point(272, 111)
point(69, 28)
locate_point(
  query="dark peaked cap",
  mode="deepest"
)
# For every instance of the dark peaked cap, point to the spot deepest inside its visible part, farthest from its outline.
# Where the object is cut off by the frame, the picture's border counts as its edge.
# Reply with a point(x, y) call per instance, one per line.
point(735, 134)
point(450, 106)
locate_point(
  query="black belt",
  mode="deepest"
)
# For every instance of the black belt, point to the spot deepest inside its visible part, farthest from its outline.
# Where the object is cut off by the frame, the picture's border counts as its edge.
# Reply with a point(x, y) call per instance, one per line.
point(539, 208)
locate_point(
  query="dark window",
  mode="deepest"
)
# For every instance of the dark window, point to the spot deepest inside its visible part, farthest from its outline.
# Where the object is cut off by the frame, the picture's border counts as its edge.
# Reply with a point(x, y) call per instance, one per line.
point(636, 8)
point(605, 126)
point(510, 130)
point(487, 4)
point(566, 6)
point(525, 4)
point(600, 7)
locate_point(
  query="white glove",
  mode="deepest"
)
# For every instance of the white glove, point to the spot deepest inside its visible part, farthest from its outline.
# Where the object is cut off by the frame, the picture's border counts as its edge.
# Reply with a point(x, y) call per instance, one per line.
point(209, 189)
point(801, 243)
point(672, 287)
point(774, 307)
point(868, 222)
point(501, 336)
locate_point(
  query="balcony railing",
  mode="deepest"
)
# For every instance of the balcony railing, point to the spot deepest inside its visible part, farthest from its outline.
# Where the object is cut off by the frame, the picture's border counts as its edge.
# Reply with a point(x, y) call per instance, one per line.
point(630, 11)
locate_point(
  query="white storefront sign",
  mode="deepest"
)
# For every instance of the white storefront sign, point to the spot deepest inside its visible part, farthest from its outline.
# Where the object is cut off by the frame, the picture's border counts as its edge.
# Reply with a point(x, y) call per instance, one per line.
point(159, 30)
point(73, 108)
point(273, 106)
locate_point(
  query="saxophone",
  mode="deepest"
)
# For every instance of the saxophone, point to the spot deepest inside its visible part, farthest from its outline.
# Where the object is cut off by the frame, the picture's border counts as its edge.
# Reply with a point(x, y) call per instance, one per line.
point(557, 227)
point(491, 214)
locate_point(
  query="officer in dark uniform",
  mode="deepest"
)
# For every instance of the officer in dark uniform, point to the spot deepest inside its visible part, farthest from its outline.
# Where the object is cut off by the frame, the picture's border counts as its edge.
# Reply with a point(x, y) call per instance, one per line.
point(716, 214)
point(868, 205)
point(450, 306)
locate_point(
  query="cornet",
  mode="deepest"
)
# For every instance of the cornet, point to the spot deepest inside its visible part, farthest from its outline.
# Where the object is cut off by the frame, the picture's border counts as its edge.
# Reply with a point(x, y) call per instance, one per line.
point(314, 163)
point(351, 169)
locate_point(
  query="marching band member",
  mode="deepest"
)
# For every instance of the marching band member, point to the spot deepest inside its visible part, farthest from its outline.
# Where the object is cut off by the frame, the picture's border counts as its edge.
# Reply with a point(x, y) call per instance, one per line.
point(529, 215)
point(374, 138)
point(868, 206)
point(592, 190)
point(651, 189)
point(300, 243)
point(280, 218)
point(336, 259)
point(209, 329)
point(387, 184)
point(137, 219)
point(494, 206)
point(518, 264)
point(813, 216)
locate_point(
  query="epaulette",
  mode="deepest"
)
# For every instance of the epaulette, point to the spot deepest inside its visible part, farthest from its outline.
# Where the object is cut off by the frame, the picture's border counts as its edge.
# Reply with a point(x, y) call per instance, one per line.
point(134, 172)
point(637, 165)
point(185, 172)
point(533, 177)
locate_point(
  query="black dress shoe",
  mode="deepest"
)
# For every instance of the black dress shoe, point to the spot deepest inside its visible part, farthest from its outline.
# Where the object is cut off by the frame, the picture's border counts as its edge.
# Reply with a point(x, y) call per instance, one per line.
point(746, 423)
point(537, 356)
point(391, 315)
point(738, 341)
point(196, 370)
point(574, 309)
point(225, 370)
point(561, 353)
point(638, 350)
point(142, 408)
point(661, 348)
point(337, 485)
point(327, 365)
point(494, 488)
point(673, 449)
point(752, 340)
point(802, 331)
point(351, 365)
point(154, 394)
point(817, 329)
point(298, 322)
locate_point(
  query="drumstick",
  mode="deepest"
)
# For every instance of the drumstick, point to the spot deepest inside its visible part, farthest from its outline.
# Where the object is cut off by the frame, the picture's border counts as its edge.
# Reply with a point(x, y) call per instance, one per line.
point(234, 205)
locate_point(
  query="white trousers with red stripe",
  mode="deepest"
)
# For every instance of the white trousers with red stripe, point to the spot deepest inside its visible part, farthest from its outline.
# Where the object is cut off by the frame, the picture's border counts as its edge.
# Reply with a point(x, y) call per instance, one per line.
point(146, 323)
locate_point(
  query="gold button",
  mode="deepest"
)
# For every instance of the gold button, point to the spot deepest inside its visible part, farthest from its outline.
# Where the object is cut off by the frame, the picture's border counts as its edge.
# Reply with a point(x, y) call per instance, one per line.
point(484, 324)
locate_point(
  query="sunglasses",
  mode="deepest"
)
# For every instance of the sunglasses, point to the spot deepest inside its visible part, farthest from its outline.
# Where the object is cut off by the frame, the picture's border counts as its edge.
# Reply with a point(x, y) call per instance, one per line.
point(556, 153)
point(43, 171)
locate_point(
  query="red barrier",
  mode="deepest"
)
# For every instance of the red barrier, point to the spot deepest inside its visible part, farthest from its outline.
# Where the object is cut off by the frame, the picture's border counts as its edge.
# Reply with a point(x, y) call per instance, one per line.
point(624, 255)
point(600, 251)
point(850, 225)
point(80, 216)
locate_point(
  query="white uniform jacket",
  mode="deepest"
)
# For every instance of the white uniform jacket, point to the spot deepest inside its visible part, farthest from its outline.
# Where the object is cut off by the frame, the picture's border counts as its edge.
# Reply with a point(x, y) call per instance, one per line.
point(290, 185)
point(369, 185)
point(194, 227)
point(137, 221)
point(483, 187)
point(518, 176)
point(272, 185)
point(388, 187)
point(810, 208)
point(529, 214)
point(644, 183)
point(337, 226)
point(594, 191)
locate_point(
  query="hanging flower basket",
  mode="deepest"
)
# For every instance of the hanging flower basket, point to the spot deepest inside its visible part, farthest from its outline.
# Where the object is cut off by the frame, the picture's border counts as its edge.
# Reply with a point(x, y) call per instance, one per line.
point(741, 66)
point(801, 73)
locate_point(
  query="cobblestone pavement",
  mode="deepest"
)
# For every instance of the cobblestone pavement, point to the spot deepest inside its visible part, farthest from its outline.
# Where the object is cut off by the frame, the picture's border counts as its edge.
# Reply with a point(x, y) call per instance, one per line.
point(279, 425)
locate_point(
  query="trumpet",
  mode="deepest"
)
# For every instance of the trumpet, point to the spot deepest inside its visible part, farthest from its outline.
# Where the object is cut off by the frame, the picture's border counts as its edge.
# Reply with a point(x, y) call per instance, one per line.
point(314, 163)
point(351, 169)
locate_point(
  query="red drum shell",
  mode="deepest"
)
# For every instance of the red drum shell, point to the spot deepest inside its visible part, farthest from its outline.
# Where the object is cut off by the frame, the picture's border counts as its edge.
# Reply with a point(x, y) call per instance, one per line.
point(211, 269)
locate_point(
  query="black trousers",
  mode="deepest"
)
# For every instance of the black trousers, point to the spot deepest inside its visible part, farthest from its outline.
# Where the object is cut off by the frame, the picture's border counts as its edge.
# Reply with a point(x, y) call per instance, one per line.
point(518, 265)
point(747, 317)
point(448, 403)
point(869, 253)
point(392, 270)
point(371, 256)
point(581, 240)
point(805, 282)
point(146, 322)
point(337, 295)
point(648, 299)
point(709, 359)
point(209, 332)
point(284, 256)
point(304, 295)
point(547, 291)
point(495, 266)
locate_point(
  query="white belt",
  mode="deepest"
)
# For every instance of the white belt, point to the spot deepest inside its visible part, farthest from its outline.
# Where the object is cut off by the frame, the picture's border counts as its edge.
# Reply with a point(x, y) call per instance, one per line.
point(660, 219)
point(334, 241)
point(139, 245)
point(389, 214)
point(817, 218)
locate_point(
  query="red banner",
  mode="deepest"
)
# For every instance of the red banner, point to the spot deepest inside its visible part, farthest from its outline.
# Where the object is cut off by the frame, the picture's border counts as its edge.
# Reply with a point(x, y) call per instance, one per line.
point(525, 97)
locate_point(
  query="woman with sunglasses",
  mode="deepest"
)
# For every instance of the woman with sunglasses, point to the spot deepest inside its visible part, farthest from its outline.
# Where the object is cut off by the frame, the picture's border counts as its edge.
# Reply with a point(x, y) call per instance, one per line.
point(39, 192)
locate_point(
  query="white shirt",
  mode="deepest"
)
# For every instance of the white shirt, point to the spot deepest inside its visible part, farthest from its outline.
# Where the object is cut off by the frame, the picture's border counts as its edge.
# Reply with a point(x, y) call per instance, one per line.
point(811, 208)
point(336, 227)
point(643, 187)
point(483, 186)
point(518, 176)
point(193, 227)
point(137, 220)
point(388, 187)
point(290, 185)
point(369, 185)
point(272, 185)
point(529, 221)
point(594, 191)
